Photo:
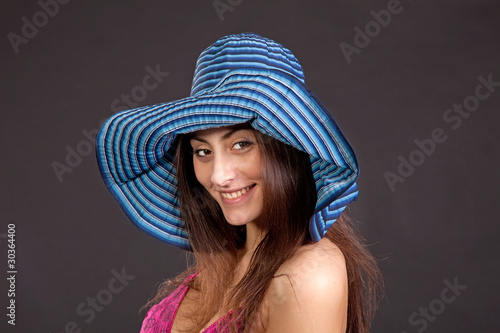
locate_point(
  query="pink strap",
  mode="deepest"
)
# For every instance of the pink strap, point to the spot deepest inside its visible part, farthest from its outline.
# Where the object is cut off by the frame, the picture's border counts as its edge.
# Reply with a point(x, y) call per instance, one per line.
point(160, 317)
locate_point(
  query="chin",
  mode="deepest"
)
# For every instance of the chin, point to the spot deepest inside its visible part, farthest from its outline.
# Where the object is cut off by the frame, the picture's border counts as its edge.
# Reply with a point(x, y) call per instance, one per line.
point(236, 223)
point(239, 221)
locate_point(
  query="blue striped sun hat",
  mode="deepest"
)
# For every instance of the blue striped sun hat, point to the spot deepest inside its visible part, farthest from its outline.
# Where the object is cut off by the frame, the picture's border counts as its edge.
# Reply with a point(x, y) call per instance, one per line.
point(239, 78)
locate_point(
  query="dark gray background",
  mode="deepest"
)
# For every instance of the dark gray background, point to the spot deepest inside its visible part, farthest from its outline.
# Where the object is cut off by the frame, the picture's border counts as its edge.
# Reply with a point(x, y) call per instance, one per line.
point(440, 224)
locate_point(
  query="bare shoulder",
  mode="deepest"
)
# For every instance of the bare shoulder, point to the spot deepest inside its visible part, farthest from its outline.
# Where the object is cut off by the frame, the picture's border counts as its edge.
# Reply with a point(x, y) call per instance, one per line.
point(309, 292)
point(321, 259)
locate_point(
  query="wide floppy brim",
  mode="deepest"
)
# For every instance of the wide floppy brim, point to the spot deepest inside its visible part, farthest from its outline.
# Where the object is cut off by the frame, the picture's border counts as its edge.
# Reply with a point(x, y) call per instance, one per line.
point(135, 149)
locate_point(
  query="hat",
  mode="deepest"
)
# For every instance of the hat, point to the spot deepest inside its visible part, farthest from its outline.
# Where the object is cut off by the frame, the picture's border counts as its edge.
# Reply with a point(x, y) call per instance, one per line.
point(240, 78)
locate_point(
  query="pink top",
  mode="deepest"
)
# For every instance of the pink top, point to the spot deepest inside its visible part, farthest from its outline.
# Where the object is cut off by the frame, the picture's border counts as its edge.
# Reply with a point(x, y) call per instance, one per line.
point(160, 317)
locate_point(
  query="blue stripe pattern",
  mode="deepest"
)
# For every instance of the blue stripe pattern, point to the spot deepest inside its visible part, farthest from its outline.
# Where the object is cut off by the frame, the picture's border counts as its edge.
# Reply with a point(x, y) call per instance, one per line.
point(239, 78)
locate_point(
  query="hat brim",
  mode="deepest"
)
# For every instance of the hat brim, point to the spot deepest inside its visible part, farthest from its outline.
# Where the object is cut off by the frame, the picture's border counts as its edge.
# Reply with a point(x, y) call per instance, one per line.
point(135, 153)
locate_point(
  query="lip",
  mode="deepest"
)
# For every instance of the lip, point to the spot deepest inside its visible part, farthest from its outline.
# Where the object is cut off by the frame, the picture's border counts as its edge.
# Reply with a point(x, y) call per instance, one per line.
point(238, 199)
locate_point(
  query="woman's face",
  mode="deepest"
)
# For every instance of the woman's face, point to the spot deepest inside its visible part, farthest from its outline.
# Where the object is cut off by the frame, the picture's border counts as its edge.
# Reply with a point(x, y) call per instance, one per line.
point(227, 162)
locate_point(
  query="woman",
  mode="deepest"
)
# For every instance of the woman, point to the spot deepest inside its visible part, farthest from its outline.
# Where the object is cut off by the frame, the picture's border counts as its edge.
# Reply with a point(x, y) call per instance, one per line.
point(249, 173)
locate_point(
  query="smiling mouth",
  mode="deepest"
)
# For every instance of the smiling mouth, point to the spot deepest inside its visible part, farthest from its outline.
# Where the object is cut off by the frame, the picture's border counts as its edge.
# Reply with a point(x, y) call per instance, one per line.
point(237, 194)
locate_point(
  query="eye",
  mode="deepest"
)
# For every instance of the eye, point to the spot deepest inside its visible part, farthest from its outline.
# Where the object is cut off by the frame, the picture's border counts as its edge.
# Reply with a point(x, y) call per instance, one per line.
point(202, 152)
point(241, 145)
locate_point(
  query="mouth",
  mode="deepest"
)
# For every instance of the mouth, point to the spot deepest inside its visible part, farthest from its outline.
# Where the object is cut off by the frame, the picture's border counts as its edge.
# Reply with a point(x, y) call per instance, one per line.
point(237, 195)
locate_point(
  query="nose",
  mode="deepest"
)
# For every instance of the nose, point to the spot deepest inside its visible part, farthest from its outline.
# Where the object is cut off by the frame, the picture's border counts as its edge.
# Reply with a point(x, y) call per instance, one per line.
point(223, 170)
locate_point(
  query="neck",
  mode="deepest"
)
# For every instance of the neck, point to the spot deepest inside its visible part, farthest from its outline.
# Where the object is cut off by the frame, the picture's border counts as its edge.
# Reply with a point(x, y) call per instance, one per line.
point(255, 234)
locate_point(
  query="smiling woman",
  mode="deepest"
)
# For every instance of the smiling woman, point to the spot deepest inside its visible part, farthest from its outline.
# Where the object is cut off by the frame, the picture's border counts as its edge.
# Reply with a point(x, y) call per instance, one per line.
point(227, 164)
point(252, 174)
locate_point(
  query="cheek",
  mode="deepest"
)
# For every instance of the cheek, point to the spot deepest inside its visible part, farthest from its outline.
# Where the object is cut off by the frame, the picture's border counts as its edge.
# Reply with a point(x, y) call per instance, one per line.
point(202, 173)
point(255, 166)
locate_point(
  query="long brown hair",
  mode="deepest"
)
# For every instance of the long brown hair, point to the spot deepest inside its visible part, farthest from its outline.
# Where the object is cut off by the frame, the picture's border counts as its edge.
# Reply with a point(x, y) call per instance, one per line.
point(289, 201)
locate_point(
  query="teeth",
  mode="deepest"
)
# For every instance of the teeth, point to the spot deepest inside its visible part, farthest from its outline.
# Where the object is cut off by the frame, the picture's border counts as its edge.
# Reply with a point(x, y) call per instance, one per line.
point(235, 195)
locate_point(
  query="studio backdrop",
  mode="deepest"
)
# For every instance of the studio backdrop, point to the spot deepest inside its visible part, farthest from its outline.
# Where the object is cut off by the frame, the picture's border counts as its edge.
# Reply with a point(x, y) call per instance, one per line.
point(414, 85)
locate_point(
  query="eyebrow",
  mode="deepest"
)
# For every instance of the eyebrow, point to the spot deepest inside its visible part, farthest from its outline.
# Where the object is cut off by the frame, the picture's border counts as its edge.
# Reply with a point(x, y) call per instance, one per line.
point(224, 137)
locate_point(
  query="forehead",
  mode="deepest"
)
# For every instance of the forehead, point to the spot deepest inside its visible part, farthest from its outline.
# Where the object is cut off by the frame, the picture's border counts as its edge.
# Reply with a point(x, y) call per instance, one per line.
point(225, 131)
